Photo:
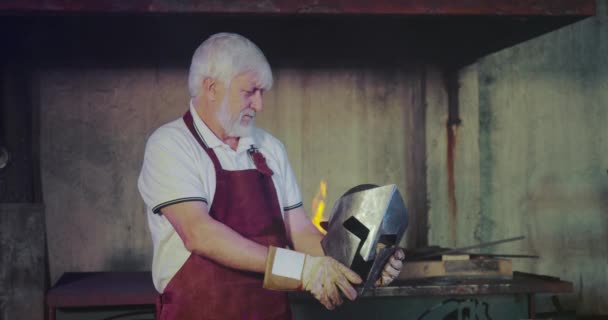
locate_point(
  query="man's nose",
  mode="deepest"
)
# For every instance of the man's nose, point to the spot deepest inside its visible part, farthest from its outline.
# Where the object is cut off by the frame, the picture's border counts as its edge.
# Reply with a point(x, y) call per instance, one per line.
point(257, 102)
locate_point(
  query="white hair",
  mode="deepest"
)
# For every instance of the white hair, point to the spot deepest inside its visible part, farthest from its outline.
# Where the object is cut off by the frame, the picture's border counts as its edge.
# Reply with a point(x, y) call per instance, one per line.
point(224, 56)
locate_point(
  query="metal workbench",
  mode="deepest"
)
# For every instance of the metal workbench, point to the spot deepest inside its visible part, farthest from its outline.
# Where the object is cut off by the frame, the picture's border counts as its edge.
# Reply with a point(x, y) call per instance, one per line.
point(463, 298)
point(131, 295)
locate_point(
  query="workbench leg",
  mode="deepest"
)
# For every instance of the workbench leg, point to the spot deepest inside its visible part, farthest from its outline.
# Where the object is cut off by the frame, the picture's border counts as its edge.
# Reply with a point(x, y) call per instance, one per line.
point(51, 313)
point(531, 306)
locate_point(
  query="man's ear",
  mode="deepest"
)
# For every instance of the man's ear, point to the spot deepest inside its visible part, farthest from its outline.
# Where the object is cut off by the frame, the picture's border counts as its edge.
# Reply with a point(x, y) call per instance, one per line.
point(210, 88)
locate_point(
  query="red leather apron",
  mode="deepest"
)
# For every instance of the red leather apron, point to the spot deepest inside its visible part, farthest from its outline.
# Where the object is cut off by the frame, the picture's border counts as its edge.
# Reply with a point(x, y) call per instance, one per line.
point(245, 201)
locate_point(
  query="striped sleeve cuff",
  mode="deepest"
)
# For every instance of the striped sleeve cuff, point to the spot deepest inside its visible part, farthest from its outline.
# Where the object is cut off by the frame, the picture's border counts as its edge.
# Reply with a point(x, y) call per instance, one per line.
point(297, 205)
point(157, 208)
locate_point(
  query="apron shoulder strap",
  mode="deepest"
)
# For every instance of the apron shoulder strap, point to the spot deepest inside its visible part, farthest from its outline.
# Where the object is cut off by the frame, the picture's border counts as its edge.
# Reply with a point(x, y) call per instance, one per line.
point(190, 124)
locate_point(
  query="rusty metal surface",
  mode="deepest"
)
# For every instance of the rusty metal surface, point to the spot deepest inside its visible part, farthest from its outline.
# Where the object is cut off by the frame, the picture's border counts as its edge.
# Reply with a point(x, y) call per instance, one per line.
point(452, 125)
point(472, 265)
point(405, 7)
point(521, 283)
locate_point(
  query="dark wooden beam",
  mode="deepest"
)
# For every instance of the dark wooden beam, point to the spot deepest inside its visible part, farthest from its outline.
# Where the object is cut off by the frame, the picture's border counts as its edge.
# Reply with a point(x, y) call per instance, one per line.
point(402, 7)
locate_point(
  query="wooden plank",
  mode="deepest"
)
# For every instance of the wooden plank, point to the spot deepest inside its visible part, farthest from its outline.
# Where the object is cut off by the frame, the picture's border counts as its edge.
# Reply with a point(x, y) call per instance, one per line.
point(453, 257)
point(470, 268)
point(405, 7)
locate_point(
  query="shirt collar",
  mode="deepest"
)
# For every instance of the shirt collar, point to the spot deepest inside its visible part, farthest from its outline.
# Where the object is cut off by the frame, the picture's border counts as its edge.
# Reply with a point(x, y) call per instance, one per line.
point(212, 141)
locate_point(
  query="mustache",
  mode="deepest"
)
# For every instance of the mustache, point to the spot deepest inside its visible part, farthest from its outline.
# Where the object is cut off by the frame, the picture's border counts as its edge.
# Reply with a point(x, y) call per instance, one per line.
point(248, 112)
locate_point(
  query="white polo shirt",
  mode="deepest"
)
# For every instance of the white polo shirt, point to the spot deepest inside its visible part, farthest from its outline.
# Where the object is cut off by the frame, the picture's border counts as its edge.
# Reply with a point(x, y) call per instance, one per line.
point(177, 169)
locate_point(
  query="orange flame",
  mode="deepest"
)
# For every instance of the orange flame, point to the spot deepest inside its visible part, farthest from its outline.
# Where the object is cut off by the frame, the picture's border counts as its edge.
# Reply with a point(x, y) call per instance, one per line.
point(318, 206)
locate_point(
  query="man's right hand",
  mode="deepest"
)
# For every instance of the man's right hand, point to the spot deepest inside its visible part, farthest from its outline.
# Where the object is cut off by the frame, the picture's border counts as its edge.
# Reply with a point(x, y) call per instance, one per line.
point(324, 277)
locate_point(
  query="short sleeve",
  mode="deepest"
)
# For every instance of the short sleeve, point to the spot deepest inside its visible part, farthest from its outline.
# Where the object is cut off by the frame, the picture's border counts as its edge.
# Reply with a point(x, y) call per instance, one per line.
point(169, 173)
point(293, 197)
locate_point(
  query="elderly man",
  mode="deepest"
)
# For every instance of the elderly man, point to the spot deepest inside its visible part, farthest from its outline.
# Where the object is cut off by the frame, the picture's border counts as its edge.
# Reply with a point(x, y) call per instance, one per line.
point(224, 206)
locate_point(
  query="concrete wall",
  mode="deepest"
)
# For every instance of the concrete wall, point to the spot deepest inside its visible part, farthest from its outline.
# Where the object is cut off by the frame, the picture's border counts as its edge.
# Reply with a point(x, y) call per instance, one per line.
point(346, 127)
point(93, 128)
point(22, 275)
point(531, 159)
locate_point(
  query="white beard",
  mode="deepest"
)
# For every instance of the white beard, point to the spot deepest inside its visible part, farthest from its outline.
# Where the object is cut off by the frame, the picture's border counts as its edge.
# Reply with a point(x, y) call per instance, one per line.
point(233, 127)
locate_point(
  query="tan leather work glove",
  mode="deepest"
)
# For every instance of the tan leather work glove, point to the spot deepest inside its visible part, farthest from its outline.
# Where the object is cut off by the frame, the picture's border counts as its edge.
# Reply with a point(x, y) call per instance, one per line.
point(392, 268)
point(325, 277)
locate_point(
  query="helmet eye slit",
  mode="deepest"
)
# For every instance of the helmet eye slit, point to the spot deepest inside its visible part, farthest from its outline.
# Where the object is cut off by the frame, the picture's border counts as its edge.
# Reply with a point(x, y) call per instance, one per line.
point(358, 265)
point(357, 228)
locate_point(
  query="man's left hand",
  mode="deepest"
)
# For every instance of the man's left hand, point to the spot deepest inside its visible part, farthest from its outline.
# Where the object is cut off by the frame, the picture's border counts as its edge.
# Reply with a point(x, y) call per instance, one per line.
point(392, 268)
